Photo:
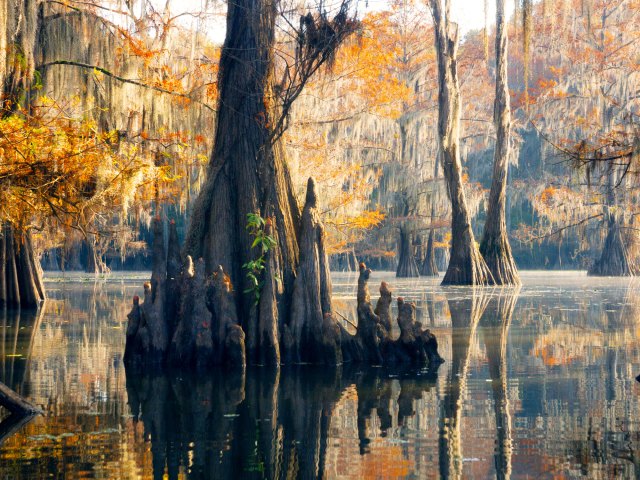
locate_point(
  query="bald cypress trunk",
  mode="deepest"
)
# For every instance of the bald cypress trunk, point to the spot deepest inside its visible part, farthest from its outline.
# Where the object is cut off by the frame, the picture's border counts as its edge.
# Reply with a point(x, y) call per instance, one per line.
point(248, 174)
point(284, 312)
point(614, 259)
point(94, 261)
point(495, 246)
point(21, 279)
point(466, 265)
point(429, 267)
point(21, 282)
point(407, 265)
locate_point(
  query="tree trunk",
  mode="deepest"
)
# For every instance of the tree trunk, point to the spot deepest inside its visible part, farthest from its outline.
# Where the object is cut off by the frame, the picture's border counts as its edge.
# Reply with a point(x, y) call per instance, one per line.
point(316, 337)
point(466, 265)
point(495, 247)
point(288, 317)
point(21, 282)
point(614, 260)
point(352, 261)
point(94, 263)
point(407, 266)
point(247, 174)
point(429, 267)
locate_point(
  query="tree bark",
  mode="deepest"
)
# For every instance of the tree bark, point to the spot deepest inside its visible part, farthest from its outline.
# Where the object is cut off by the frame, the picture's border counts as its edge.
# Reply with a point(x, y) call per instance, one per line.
point(21, 284)
point(429, 268)
point(407, 265)
point(614, 260)
point(466, 265)
point(315, 334)
point(247, 173)
point(495, 247)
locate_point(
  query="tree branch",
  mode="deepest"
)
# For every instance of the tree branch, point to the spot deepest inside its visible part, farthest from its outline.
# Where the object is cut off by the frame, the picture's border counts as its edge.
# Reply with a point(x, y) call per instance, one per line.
point(121, 79)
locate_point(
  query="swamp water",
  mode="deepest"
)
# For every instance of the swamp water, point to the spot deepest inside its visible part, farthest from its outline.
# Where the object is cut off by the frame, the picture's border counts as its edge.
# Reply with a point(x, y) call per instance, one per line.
point(537, 383)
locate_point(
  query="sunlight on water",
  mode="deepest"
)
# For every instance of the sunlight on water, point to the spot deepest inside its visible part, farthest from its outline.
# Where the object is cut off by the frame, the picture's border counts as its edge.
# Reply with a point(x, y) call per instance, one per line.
point(537, 383)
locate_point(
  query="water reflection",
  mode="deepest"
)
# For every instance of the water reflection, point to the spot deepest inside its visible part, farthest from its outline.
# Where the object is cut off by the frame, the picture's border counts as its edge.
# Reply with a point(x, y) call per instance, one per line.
point(493, 328)
point(465, 313)
point(17, 330)
point(264, 423)
point(537, 383)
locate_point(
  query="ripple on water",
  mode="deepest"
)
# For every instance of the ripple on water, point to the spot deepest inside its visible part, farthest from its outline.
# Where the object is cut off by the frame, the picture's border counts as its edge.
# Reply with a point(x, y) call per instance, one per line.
point(538, 382)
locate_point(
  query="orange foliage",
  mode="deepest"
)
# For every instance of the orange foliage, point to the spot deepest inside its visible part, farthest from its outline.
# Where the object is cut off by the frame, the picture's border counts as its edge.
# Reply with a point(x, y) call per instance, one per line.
point(60, 170)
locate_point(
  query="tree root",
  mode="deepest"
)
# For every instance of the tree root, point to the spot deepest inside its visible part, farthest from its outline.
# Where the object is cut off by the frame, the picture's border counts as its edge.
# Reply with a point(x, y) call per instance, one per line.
point(209, 332)
point(190, 319)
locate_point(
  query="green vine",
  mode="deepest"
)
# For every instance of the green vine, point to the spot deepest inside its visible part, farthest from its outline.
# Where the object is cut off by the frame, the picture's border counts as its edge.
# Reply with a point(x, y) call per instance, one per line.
point(257, 227)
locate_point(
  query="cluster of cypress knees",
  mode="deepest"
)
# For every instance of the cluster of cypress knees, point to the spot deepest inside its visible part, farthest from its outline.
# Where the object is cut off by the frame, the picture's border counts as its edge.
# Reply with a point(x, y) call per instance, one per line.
point(190, 319)
point(371, 344)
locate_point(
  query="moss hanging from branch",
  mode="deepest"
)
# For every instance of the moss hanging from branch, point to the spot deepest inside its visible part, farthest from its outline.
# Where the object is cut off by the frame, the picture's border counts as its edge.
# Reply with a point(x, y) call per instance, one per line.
point(526, 42)
point(485, 36)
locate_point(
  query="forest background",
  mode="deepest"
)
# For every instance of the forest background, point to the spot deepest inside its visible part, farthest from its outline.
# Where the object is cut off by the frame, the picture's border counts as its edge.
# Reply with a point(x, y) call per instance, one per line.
point(108, 121)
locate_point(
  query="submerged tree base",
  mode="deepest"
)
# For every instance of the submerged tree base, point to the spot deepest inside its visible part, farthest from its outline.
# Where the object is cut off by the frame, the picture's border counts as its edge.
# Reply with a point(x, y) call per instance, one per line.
point(429, 268)
point(407, 265)
point(614, 261)
point(21, 282)
point(190, 320)
point(496, 251)
point(466, 266)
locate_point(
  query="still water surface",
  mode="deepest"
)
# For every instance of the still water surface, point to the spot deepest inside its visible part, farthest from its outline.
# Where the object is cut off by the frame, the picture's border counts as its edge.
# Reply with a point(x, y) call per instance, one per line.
point(538, 383)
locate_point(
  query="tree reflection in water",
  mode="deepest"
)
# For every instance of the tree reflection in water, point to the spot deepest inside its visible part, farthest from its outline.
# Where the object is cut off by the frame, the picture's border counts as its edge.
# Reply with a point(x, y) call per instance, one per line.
point(567, 406)
point(494, 331)
point(16, 344)
point(262, 422)
point(465, 312)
